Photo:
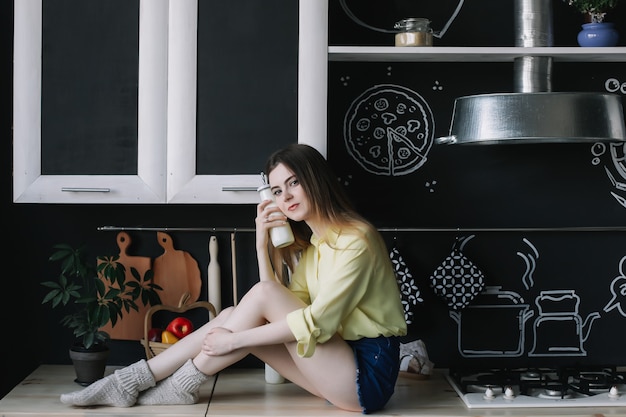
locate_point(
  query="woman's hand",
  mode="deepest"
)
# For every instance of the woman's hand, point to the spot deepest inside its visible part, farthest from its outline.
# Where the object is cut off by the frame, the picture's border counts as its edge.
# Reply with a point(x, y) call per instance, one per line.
point(217, 342)
point(267, 217)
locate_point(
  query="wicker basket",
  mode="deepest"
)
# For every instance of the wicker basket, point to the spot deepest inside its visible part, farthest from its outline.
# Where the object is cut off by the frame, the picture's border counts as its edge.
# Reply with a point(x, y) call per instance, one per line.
point(154, 348)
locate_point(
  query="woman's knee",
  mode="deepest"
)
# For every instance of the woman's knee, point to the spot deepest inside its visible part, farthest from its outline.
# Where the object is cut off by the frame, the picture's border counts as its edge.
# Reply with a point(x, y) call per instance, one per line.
point(224, 314)
point(217, 320)
point(266, 287)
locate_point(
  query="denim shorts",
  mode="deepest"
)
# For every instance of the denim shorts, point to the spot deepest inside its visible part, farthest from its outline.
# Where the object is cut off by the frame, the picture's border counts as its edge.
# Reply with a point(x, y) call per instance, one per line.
point(378, 364)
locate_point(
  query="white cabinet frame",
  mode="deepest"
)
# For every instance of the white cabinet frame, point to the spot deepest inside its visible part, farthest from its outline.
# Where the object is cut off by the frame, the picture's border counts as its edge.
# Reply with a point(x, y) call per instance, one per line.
point(148, 186)
point(183, 184)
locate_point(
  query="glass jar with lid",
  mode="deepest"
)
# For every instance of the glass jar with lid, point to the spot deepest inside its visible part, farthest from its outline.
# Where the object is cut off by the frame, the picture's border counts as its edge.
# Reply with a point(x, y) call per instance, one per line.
point(414, 31)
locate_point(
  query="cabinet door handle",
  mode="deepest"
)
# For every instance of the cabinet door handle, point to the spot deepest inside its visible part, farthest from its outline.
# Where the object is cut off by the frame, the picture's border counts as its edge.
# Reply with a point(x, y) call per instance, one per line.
point(228, 188)
point(86, 190)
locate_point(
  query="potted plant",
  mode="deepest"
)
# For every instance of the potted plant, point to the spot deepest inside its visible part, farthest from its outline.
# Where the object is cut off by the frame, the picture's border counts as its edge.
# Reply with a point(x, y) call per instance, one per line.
point(596, 32)
point(95, 294)
point(595, 9)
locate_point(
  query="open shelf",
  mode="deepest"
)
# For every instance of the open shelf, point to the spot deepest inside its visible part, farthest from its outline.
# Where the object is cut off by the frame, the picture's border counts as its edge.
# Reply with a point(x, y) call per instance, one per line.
point(472, 54)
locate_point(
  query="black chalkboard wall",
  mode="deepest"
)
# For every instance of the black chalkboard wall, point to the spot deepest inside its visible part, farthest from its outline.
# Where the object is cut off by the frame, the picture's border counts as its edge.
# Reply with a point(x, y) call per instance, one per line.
point(554, 291)
point(251, 89)
point(76, 86)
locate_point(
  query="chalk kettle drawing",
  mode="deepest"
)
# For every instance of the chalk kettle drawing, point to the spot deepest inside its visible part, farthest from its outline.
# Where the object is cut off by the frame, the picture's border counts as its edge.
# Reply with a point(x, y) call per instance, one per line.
point(559, 329)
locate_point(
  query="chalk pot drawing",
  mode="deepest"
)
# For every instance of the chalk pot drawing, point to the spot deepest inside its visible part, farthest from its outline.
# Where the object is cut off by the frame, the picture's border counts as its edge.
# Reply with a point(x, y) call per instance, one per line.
point(389, 130)
point(618, 290)
point(558, 329)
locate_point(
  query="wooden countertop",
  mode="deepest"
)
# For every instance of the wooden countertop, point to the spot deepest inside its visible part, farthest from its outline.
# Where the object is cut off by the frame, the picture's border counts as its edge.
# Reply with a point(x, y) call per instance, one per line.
point(243, 392)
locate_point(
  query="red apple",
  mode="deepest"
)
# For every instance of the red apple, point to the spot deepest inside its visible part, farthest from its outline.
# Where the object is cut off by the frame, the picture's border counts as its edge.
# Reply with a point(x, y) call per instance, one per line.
point(180, 327)
point(154, 334)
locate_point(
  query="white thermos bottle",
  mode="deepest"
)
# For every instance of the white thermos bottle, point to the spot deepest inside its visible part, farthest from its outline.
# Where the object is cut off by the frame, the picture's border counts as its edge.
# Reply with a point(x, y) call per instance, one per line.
point(281, 235)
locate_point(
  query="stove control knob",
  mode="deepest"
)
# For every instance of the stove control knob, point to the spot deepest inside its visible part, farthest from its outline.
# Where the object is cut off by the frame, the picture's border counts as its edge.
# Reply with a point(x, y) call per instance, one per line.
point(508, 393)
point(613, 392)
point(489, 395)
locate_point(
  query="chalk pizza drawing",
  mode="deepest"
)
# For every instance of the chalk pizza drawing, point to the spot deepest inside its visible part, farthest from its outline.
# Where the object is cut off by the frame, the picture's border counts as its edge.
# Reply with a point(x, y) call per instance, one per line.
point(389, 130)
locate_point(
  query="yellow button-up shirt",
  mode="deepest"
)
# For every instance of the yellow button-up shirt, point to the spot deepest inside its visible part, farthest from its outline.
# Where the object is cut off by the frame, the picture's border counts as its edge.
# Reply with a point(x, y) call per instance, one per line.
point(348, 284)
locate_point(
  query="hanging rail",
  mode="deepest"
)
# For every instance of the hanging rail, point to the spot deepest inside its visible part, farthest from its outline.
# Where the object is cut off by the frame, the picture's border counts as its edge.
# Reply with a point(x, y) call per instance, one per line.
point(380, 229)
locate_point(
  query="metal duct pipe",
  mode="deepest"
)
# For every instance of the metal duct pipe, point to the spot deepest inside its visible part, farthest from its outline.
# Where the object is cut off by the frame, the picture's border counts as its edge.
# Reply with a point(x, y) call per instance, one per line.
point(533, 28)
point(533, 114)
point(533, 23)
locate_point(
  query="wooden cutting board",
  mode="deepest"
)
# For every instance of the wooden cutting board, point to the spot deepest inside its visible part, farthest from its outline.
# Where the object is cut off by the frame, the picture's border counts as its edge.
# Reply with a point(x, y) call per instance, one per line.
point(130, 327)
point(177, 272)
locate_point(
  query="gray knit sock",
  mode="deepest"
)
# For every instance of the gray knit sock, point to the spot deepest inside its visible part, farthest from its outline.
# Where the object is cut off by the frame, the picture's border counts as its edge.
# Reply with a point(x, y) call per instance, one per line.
point(180, 388)
point(119, 389)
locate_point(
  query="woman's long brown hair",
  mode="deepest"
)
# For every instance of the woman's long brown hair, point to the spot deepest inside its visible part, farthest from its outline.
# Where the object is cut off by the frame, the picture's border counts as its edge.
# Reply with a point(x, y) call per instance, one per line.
point(326, 196)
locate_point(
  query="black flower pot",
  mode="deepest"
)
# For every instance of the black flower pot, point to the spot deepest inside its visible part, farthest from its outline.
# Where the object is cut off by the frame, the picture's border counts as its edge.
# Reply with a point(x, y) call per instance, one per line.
point(89, 364)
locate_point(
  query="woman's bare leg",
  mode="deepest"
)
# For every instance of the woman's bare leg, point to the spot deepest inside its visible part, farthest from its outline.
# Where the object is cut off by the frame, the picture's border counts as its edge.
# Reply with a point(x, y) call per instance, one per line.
point(165, 363)
point(329, 373)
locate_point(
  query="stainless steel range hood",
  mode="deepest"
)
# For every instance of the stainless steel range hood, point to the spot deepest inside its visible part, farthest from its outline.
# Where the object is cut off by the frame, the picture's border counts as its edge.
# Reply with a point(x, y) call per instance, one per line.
point(533, 113)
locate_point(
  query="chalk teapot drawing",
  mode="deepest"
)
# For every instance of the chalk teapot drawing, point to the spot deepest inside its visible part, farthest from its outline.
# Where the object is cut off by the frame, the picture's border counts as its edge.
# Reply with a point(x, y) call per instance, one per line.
point(558, 329)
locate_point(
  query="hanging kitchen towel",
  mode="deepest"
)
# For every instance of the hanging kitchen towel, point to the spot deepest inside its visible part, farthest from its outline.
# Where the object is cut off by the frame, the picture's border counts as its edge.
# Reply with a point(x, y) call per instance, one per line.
point(457, 280)
point(409, 291)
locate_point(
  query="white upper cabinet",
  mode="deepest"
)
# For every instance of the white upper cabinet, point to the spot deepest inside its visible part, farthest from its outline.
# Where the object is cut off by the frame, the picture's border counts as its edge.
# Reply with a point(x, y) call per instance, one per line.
point(97, 121)
point(43, 142)
point(236, 108)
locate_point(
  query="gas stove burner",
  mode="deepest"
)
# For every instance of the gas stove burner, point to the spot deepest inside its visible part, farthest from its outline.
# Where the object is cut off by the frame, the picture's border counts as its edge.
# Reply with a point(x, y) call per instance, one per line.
point(495, 390)
point(594, 377)
point(552, 391)
point(530, 375)
point(593, 382)
point(580, 386)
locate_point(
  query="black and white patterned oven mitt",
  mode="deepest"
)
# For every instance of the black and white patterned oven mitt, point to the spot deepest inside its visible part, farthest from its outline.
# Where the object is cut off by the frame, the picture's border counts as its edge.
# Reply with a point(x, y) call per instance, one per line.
point(409, 290)
point(457, 280)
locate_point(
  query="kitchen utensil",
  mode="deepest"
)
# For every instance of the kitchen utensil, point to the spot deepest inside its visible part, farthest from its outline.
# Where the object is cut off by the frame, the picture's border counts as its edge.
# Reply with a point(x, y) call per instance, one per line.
point(214, 276)
point(409, 290)
point(536, 117)
point(233, 258)
point(457, 280)
point(130, 326)
point(177, 272)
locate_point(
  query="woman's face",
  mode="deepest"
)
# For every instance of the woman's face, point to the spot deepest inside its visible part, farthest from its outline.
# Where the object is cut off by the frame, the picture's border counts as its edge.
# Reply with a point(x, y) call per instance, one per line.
point(290, 197)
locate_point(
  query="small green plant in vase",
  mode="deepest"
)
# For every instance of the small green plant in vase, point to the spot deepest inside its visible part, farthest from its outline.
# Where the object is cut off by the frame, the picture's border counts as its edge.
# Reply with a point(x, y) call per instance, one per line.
point(596, 9)
point(95, 293)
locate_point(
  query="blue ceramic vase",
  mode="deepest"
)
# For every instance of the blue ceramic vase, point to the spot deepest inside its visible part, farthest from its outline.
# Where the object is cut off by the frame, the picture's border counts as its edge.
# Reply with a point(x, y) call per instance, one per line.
point(598, 34)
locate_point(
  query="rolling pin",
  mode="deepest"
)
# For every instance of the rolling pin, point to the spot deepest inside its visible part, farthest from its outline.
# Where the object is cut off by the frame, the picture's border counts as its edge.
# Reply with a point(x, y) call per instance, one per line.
point(214, 276)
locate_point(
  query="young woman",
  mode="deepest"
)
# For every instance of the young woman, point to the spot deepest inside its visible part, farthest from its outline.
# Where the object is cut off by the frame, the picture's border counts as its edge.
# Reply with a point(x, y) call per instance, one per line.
point(326, 313)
